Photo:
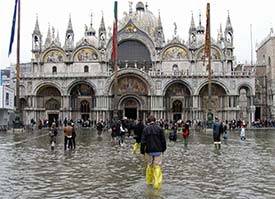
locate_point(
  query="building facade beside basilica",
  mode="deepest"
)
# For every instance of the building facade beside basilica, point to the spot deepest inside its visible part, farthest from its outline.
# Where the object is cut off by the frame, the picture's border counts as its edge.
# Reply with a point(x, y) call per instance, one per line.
point(167, 78)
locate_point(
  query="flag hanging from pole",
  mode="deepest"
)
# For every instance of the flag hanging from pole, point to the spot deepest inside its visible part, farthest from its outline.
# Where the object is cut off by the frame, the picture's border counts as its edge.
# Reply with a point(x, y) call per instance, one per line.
point(207, 33)
point(13, 27)
point(114, 41)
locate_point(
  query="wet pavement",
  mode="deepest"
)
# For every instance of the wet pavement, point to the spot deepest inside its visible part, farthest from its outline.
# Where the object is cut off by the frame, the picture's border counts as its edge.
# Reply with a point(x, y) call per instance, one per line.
point(101, 169)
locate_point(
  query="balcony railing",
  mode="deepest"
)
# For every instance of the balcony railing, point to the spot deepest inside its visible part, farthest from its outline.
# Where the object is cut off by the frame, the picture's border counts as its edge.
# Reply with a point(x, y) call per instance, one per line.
point(145, 68)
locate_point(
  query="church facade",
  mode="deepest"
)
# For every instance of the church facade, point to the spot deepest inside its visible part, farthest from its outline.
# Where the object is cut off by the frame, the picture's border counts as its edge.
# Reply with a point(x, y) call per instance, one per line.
point(166, 78)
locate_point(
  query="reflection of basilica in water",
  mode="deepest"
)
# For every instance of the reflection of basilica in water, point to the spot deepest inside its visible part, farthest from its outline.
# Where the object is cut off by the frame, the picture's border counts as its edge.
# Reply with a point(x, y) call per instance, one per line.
point(166, 78)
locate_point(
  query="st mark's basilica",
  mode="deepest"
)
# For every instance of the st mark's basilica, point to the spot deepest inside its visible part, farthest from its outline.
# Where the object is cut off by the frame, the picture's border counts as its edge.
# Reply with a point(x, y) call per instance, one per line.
point(156, 75)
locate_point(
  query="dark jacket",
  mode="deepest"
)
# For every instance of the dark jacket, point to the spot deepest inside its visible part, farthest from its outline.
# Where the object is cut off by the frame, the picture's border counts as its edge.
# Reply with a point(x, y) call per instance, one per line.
point(138, 129)
point(217, 127)
point(153, 139)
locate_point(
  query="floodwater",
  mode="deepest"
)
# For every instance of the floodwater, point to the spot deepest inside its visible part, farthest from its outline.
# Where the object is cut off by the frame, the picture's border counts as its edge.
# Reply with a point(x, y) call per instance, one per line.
point(98, 168)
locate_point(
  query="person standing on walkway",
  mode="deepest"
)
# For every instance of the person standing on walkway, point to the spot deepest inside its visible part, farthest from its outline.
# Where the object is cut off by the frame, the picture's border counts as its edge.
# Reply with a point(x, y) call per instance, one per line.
point(153, 144)
point(217, 131)
point(138, 129)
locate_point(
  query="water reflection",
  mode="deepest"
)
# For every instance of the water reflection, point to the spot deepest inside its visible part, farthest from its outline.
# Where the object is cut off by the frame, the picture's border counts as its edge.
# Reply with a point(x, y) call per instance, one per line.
point(100, 169)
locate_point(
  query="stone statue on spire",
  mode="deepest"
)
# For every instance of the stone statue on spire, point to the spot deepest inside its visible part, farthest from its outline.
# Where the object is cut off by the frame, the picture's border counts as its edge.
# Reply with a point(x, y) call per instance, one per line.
point(175, 29)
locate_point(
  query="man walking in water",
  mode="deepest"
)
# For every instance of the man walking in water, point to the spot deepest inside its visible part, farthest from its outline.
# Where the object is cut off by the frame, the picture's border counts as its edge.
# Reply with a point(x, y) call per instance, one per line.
point(217, 131)
point(153, 143)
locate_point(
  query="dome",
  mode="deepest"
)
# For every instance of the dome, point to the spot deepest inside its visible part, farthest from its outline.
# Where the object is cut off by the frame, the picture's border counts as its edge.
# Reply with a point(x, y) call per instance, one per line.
point(142, 18)
point(88, 40)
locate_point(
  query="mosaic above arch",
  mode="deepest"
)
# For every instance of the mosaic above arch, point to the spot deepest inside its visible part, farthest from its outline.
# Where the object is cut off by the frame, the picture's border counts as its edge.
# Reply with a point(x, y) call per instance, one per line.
point(174, 53)
point(48, 91)
point(82, 89)
point(54, 56)
point(215, 54)
point(85, 54)
point(131, 85)
point(177, 89)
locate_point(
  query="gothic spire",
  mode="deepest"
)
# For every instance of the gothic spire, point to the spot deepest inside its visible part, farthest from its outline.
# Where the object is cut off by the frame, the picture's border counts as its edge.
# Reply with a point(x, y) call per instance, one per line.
point(70, 26)
point(220, 32)
point(228, 24)
point(159, 20)
point(36, 38)
point(36, 28)
point(102, 24)
point(48, 40)
point(192, 25)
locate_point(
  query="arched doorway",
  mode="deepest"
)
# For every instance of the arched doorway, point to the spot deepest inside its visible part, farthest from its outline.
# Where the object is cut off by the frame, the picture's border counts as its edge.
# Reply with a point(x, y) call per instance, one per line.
point(130, 108)
point(177, 110)
point(81, 101)
point(177, 102)
point(218, 101)
point(49, 103)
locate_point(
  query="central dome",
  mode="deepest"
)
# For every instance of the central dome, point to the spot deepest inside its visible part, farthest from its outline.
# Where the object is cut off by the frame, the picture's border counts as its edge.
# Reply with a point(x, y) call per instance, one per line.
point(142, 18)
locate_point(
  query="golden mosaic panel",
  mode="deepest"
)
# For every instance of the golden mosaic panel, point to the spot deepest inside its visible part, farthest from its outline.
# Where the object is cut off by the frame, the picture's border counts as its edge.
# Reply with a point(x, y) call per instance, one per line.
point(174, 53)
point(85, 55)
point(54, 56)
point(214, 54)
point(131, 85)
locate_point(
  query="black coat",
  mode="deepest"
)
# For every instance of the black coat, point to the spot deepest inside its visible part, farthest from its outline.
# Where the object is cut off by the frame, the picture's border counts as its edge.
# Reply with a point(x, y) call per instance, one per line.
point(153, 139)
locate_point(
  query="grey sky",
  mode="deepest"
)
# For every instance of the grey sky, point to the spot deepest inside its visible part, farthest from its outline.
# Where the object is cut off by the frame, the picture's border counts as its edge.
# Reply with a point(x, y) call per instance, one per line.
point(56, 13)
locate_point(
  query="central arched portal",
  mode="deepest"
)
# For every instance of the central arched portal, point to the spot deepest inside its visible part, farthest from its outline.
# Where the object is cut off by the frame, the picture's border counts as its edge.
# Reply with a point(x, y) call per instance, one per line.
point(132, 93)
point(130, 107)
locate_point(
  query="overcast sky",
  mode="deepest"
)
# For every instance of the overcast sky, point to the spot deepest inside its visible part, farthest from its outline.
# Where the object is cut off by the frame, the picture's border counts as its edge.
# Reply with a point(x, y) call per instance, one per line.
point(56, 13)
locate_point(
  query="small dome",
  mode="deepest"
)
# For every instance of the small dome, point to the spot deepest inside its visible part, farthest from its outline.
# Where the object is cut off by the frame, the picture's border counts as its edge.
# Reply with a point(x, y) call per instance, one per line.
point(140, 6)
point(200, 29)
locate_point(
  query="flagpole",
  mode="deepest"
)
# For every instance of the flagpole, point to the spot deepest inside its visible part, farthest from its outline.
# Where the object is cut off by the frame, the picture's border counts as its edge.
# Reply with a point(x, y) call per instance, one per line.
point(208, 54)
point(115, 115)
point(18, 62)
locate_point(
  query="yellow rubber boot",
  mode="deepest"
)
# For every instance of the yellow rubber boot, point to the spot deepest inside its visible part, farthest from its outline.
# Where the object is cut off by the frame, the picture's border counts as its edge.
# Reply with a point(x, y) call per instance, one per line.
point(158, 177)
point(135, 148)
point(149, 174)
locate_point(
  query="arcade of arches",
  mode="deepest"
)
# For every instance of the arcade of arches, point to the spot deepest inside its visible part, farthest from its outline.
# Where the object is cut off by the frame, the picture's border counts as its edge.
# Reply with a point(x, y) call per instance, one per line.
point(135, 102)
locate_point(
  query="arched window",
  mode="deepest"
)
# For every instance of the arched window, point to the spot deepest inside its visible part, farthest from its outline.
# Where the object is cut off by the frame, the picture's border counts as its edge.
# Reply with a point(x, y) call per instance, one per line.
point(177, 106)
point(269, 61)
point(86, 69)
point(54, 70)
point(85, 106)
